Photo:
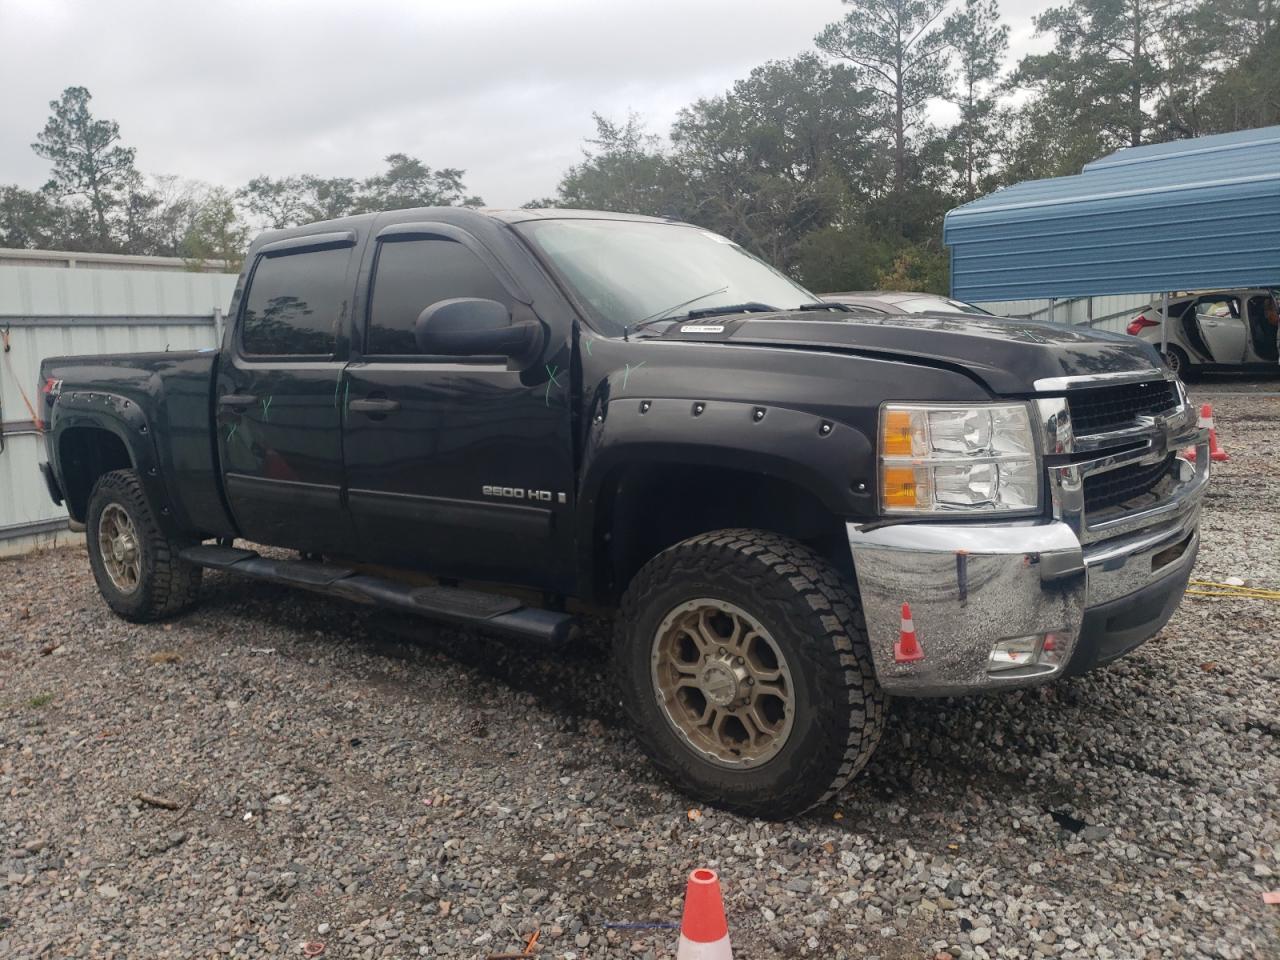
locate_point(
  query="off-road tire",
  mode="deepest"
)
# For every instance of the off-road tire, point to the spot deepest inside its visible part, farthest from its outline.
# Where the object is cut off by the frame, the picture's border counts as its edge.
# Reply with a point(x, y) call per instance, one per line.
point(816, 621)
point(167, 585)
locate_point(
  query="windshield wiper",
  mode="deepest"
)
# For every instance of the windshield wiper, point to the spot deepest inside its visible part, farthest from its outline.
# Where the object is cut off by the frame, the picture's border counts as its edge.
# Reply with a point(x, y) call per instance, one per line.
point(751, 306)
point(662, 314)
point(826, 305)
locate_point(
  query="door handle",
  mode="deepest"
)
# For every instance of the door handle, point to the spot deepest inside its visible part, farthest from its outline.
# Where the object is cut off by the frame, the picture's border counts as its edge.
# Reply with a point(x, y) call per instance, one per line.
point(237, 401)
point(374, 406)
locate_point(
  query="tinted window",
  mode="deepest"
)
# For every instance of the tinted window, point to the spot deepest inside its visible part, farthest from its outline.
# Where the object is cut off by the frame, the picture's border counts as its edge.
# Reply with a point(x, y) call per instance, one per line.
point(413, 274)
point(294, 303)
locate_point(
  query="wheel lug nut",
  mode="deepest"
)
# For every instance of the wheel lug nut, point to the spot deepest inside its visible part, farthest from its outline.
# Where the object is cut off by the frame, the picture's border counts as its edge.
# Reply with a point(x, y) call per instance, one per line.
point(751, 681)
point(739, 661)
point(722, 651)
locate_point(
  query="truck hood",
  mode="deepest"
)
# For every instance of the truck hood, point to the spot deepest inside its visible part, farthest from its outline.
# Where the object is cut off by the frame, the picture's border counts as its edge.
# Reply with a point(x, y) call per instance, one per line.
point(1008, 356)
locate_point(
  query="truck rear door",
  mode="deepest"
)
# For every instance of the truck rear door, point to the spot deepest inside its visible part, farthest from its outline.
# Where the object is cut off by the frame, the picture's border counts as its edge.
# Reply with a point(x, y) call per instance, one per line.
point(278, 395)
point(454, 464)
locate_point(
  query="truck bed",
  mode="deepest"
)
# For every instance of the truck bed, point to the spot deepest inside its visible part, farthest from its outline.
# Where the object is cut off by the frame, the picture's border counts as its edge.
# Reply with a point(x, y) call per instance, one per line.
point(170, 394)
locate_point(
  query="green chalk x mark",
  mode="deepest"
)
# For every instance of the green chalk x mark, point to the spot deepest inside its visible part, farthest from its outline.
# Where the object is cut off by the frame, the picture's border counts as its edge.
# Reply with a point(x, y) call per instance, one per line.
point(266, 409)
point(627, 373)
point(551, 380)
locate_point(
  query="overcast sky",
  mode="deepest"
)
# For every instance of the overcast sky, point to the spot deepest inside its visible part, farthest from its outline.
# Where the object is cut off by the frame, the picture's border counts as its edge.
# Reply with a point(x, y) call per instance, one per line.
point(222, 91)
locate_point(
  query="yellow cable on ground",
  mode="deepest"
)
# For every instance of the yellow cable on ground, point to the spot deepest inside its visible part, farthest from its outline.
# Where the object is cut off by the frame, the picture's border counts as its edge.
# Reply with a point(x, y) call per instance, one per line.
point(1231, 591)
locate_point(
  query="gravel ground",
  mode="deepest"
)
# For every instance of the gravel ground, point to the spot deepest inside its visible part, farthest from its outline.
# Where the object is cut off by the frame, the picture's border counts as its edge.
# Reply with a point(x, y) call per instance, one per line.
point(395, 790)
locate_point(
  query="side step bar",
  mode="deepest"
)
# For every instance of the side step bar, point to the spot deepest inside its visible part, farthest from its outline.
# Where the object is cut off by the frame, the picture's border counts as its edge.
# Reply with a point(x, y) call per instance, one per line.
point(473, 608)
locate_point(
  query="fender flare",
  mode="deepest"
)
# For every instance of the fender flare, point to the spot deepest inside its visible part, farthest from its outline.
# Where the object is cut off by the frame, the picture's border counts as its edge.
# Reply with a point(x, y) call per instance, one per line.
point(124, 419)
point(831, 460)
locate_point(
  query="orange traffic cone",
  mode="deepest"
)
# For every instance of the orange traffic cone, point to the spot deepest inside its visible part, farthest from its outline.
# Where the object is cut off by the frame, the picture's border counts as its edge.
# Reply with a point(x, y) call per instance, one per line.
point(704, 934)
point(907, 649)
point(1216, 453)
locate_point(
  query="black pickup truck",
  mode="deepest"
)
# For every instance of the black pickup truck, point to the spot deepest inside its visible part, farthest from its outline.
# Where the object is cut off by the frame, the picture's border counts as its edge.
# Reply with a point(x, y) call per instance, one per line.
point(504, 419)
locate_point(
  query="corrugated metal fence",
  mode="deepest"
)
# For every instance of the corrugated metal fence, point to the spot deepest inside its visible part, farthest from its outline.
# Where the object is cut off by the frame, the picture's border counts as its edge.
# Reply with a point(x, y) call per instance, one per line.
point(54, 311)
point(1101, 313)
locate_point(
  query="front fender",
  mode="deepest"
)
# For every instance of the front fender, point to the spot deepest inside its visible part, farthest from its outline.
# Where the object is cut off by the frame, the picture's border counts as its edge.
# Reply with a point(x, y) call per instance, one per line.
point(830, 460)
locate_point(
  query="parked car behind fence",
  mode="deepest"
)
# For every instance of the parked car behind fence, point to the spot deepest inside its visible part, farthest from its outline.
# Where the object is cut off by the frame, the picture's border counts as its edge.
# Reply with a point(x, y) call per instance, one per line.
point(1214, 330)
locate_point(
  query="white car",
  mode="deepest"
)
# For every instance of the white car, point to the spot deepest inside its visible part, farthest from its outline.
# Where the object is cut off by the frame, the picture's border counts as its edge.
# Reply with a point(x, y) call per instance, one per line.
point(1214, 330)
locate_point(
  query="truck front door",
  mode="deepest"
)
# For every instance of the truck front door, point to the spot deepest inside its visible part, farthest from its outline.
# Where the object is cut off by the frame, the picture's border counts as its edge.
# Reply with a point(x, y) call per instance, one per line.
point(456, 465)
point(277, 396)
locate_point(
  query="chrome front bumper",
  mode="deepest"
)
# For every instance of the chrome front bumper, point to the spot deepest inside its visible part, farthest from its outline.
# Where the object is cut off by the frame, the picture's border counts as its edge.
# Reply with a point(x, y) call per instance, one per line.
point(1097, 590)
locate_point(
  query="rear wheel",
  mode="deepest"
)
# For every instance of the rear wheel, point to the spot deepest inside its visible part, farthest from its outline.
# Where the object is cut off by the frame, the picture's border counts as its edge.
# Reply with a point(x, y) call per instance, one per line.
point(135, 564)
point(744, 667)
point(1178, 362)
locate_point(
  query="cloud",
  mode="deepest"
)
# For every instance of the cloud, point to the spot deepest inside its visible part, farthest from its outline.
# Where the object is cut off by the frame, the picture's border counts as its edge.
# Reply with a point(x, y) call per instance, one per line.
point(224, 91)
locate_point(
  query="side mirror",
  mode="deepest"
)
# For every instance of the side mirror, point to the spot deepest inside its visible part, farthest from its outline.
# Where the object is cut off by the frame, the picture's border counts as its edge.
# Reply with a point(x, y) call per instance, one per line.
point(470, 327)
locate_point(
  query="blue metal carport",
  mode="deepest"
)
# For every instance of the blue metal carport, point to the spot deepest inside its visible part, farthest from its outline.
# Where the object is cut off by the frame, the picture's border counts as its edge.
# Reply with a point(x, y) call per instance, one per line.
point(1187, 215)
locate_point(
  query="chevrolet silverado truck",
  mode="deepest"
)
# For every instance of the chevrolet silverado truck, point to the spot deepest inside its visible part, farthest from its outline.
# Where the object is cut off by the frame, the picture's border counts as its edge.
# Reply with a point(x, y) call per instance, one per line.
point(502, 420)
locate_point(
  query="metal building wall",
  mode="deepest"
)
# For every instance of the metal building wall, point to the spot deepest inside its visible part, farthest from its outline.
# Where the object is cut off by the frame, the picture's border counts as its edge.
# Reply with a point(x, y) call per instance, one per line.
point(1198, 214)
point(1111, 313)
point(54, 311)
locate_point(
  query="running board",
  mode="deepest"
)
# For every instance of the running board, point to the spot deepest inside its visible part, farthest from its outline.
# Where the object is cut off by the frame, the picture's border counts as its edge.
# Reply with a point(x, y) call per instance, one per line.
point(473, 608)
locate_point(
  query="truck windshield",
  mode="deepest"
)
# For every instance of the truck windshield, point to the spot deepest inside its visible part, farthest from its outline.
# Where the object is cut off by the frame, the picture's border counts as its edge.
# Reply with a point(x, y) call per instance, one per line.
point(626, 271)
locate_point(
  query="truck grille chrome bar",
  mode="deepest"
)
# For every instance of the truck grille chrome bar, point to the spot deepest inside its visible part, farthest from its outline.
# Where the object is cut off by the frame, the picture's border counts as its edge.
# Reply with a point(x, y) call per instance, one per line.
point(1120, 475)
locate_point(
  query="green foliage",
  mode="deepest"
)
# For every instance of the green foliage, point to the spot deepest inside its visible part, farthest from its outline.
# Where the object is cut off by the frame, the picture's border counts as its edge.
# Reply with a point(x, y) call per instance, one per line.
point(828, 167)
point(28, 218)
point(1247, 91)
point(305, 198)
point(216, 232)
point(980, 42)
point(778, 156)
point(825, 164)
point(97, 201)
point(408, 182)
point(922, 267)
point(624, 169)
point(841, 258)
point(899, 51)
point(88, 160)
point(1104, 77)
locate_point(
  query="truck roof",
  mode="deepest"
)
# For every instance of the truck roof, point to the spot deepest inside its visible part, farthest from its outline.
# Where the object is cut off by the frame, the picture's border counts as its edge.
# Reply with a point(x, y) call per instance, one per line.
point(456, 215)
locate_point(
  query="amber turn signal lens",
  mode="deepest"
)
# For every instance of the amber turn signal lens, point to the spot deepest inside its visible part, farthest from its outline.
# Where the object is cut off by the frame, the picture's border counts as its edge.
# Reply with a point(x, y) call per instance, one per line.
point(899, 487)
point(897, 434)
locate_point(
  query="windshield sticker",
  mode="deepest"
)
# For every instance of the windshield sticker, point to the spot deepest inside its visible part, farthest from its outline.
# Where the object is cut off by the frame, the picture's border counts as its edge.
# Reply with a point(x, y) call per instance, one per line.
point(715, 236)
point(702, 328)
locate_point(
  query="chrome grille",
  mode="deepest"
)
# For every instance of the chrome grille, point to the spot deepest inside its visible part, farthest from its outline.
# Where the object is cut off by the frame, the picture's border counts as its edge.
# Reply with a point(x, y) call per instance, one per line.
point(1114, 487)
point(1100, 409)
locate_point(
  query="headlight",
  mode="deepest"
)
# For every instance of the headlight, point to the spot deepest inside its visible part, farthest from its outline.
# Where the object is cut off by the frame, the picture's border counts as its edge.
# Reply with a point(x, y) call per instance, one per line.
point(941, 459)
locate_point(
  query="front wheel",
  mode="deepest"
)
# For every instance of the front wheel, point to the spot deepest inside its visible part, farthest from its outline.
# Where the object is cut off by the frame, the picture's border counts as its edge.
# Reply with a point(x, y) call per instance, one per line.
point(136, 565)
point(743, 664)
